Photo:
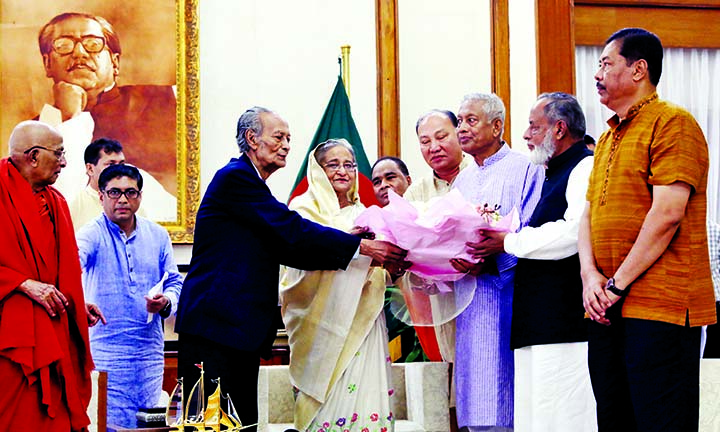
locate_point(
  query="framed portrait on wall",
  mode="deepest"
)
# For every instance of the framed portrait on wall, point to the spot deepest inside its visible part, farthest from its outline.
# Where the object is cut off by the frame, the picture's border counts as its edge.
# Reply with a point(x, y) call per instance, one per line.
point(126, 71)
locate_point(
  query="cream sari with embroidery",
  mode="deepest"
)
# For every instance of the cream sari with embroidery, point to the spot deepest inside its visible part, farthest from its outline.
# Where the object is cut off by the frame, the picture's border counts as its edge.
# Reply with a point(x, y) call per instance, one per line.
point(338, 341)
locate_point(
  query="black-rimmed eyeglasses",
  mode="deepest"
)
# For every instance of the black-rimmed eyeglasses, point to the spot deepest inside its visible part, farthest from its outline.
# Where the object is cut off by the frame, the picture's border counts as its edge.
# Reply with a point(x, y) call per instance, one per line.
point(59, 153)
point(66, 44)
point(116, 193)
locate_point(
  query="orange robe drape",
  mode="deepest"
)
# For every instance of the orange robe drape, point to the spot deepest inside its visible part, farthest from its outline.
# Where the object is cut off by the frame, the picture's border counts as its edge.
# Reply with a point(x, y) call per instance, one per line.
point(45, 361)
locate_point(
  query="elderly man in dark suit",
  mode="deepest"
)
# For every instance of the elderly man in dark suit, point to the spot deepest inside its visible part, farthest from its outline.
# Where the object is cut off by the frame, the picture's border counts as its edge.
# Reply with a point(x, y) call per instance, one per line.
point(242, 236)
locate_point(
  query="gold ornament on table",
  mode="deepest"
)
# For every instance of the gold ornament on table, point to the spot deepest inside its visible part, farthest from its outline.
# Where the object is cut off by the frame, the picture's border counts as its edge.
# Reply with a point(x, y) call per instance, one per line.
point(203, 418)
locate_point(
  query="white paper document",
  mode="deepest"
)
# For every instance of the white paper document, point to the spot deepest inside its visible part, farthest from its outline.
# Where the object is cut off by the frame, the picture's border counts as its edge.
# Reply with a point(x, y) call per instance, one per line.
point(156, 289)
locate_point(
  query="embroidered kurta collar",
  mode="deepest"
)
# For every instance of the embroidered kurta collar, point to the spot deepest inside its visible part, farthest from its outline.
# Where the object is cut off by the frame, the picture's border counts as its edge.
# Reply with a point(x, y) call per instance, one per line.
point(496, 157)
point(633, 111)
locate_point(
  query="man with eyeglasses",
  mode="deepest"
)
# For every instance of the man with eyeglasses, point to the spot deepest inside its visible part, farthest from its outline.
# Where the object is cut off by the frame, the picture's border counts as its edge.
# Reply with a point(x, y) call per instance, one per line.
point(45, 359)
point(242, 236)
point(81, 53)
point(130, 272)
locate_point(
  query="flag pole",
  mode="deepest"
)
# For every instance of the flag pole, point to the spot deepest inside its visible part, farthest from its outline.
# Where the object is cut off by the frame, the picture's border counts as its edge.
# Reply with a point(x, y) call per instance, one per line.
point(345, 52)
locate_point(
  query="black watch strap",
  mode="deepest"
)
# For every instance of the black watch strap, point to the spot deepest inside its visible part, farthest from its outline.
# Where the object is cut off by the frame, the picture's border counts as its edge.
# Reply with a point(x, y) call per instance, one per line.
point(165, 312)
point(610, 286)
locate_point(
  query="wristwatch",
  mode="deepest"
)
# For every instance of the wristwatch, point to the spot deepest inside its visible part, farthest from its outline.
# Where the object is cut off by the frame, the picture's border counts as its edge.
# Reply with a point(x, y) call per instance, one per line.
point(165, 312)
point(610, 286)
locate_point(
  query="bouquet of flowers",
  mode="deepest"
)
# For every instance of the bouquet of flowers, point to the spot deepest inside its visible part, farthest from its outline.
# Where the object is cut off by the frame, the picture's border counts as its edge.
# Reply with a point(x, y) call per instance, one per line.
point(432, 292)
point(437, 233)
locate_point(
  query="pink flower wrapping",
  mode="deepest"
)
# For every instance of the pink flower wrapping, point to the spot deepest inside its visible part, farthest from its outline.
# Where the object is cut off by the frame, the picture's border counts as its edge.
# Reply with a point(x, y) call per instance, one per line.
point(436, 234)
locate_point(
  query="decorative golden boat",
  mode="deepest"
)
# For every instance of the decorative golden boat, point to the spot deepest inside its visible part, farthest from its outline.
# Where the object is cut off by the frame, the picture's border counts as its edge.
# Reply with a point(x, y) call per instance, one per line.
point(203, 418)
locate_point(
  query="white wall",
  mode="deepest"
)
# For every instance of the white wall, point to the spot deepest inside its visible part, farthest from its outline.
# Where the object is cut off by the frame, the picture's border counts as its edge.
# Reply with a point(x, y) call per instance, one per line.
point(281, 54)
point(523, 68)
point(444, 54)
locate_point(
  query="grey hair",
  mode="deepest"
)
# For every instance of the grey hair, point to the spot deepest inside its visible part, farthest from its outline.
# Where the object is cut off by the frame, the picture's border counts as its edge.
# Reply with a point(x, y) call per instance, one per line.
point(324, 147)
point(249, 120)
point(564, 107)
point(492, 105)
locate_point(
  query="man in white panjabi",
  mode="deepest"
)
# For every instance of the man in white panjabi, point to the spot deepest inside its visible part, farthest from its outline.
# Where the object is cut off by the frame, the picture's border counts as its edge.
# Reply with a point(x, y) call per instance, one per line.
point(549, 330)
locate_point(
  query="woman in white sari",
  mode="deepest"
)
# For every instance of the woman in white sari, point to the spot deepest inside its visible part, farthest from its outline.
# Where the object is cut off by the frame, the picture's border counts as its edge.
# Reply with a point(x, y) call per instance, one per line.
point(339, 358)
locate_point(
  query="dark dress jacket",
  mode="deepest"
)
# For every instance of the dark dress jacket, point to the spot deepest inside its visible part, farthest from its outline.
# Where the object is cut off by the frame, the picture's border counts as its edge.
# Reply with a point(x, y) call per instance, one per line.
point(242, 236)
point(547, 298)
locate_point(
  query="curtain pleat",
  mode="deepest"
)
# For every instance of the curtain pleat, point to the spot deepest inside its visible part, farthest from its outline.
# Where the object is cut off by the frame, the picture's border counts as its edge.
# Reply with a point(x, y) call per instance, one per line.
point(690, 78)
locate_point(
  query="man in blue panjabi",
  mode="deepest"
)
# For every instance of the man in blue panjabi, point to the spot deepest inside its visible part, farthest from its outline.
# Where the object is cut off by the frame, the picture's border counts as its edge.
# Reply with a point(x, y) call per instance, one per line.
point(501, 179)
point(128, 269)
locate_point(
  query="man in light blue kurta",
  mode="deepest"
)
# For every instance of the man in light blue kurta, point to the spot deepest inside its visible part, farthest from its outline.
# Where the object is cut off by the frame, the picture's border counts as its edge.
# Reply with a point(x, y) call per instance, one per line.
point(123, 257)
point(497, 177)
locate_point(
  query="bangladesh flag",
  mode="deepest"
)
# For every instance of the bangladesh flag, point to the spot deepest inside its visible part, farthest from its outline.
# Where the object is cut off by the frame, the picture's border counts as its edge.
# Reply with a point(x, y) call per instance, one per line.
point(337, 122)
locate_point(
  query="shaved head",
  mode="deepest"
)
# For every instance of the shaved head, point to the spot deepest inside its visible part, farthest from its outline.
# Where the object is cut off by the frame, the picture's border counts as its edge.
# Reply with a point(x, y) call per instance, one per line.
point(36, 150)
point(32, 133)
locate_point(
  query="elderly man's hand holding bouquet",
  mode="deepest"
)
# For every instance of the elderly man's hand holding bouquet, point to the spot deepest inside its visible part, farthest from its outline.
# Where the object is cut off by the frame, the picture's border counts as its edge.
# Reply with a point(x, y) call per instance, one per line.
point(443, 239)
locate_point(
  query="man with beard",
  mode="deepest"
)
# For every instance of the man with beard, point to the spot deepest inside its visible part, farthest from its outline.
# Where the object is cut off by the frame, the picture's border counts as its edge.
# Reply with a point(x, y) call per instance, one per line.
point(549, 332)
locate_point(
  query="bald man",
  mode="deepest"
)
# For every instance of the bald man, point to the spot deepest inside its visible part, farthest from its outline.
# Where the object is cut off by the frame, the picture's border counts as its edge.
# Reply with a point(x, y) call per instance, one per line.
point(45, 358)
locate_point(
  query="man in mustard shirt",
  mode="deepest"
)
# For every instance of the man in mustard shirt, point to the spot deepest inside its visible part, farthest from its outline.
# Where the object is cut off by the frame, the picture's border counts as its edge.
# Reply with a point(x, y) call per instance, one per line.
point(643, 247)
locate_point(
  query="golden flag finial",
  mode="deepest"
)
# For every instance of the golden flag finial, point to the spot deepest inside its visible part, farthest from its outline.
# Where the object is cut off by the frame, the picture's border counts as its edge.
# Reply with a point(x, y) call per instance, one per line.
point(345, 52)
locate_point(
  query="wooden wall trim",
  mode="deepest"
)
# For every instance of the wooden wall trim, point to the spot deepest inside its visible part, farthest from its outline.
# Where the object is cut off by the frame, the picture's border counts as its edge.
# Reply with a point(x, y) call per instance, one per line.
point(388, 94)
point(500, 57)
point(711, 4)
point(555, 41)
point(102, 401)
point(560, 24)
point(677, 27)
point(388, 89)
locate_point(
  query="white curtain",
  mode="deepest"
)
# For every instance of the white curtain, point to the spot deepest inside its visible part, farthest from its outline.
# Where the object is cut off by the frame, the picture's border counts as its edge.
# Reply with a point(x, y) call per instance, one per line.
point(690, 78)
